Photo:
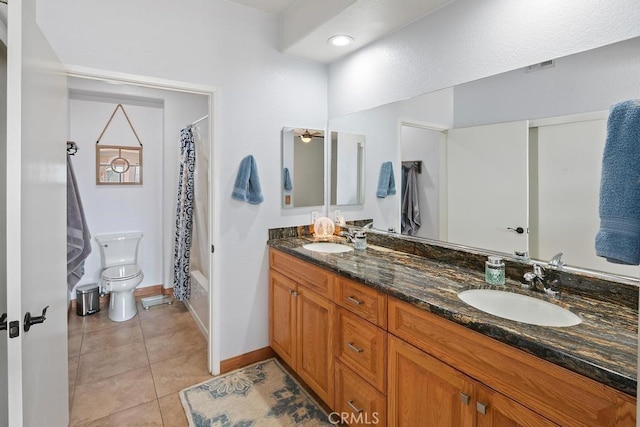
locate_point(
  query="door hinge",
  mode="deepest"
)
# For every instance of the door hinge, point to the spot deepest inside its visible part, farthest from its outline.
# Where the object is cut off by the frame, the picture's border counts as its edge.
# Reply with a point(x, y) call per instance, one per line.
point(212, 249)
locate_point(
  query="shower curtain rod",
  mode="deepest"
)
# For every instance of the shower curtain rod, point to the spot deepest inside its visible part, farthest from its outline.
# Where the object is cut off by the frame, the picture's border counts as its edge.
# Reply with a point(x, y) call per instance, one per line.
point(197, 121)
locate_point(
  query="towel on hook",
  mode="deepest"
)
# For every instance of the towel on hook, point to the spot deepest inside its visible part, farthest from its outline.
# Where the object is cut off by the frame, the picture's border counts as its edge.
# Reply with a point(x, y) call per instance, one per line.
point(287, 180)
point(618, 239)
point(78, 236)
point(247, 187)
point(410, 221)
point(386, 181)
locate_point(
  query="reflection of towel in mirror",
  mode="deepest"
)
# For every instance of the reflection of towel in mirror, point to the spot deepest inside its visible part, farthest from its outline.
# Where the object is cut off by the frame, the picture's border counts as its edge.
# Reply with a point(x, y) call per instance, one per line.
point(247, 186)
point(287, 180)
point(410, 203)
point(78, 236)
point(618, 239)
point(386, 181)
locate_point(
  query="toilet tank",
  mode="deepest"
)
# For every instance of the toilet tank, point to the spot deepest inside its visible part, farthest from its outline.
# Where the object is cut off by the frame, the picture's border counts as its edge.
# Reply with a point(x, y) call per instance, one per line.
point(118, 248)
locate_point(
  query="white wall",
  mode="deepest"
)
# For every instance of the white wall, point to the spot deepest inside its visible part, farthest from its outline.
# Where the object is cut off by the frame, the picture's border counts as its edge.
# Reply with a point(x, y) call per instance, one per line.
point(471, 39)
point(381, 128)
point(120, 208)
point(584, 82)
point(232, 47)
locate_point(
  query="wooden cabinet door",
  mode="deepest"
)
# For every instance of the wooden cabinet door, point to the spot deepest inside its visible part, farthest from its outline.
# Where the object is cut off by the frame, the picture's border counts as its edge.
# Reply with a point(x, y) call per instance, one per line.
point(315, 362)
point(423, 391)
point(282, 313)
point(496, 410)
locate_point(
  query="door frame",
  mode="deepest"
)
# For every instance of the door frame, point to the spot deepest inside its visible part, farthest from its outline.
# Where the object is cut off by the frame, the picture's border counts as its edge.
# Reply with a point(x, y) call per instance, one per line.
point(213, 349)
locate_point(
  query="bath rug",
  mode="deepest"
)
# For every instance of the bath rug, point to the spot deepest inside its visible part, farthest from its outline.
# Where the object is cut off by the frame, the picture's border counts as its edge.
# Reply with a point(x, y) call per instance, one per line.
point(262, 394)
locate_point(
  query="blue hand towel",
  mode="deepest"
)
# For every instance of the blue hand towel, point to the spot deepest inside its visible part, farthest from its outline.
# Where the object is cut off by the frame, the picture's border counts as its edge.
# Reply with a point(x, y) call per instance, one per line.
point(618, 239)
point(386, 181)
point(247, 187)
point(287, 180)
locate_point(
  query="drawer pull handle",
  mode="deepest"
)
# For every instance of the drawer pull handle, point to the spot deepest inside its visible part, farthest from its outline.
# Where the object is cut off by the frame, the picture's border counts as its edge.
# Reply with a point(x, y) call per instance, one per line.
point(354, 407)
point(481, 407)
point(464, 398)
point(354, 300)
point(354, 348)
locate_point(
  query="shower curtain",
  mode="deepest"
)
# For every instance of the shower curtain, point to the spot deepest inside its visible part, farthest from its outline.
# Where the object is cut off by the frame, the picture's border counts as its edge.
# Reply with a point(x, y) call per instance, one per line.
point(184, 217)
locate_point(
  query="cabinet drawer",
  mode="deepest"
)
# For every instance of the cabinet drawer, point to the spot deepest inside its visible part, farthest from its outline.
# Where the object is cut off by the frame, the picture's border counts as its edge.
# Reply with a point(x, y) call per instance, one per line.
point(356, 402)
point(363, 347)
point(562, 396)
point(315, 278)
point(362, 300)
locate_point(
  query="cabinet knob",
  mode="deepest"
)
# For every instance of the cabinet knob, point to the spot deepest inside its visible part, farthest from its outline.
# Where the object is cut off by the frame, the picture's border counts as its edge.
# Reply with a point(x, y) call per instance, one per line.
point(354, 407)
point(465, 398)
point(481, 407)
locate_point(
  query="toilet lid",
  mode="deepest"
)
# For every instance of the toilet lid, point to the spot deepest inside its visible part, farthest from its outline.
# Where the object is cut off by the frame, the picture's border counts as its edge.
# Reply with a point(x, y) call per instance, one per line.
point(121, 272)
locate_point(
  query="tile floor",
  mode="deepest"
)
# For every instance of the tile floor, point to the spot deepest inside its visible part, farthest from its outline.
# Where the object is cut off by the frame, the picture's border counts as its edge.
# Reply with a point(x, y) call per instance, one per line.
point(130, 373)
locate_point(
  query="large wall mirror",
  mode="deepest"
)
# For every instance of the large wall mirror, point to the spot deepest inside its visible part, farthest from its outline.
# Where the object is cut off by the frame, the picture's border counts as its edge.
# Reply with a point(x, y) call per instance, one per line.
point(509, 163)
point(303, 167)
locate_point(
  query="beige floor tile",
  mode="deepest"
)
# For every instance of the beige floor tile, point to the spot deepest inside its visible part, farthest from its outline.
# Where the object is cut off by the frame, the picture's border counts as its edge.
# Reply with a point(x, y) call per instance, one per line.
point(100, 320)
point(157, 326)
point(104, 339)
point(74, 343)
point(75, 323)
point(173, 375)
point(96, 400)
point(175, 344)
point(162, 311)
point(147, 414)
point(172, 411)
point(73, 372)
point(112, 361)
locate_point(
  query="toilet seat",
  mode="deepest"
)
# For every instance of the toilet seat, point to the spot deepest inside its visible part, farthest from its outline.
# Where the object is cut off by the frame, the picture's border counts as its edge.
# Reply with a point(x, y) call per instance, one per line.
point(121, 272)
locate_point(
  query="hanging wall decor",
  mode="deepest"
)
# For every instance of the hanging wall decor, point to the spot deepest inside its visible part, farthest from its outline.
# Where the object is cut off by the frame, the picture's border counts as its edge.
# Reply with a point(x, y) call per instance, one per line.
point(117, 164)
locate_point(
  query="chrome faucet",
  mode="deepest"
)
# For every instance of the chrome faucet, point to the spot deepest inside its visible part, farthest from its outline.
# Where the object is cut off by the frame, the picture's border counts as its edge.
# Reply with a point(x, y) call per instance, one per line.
point(353, 231)
point(536, 281)
point(556, 261)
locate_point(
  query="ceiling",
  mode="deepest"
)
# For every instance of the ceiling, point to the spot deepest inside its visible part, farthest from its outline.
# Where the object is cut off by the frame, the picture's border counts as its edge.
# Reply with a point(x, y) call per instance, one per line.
point(306, 25)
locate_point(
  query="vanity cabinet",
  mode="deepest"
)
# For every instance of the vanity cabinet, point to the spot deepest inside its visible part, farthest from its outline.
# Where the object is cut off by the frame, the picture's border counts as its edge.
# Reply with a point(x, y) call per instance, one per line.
point(383, 361)
point(505, 379)
point(301, 321)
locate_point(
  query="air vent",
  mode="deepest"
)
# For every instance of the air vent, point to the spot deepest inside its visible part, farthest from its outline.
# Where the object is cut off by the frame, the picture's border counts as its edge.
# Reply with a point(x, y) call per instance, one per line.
point(540, 66)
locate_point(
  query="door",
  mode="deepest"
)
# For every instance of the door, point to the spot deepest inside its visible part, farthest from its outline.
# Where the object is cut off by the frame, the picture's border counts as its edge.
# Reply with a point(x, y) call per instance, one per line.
point(35, 223)
point(282, 310)
point(496, 410)
point(487, 179)
point(315, 343)
point(423, 391)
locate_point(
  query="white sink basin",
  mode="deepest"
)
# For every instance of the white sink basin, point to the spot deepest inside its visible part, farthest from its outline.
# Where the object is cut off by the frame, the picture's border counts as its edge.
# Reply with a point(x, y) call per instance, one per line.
point(327, 248)
point(521, 308)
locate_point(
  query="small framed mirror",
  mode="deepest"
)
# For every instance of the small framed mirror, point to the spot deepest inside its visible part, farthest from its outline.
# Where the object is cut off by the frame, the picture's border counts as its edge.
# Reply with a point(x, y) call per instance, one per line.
point(118, 165)
point(302, 167)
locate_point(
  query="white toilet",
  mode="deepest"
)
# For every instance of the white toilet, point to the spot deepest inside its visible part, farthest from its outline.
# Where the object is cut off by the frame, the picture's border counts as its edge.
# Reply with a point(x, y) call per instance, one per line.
point(121, 274)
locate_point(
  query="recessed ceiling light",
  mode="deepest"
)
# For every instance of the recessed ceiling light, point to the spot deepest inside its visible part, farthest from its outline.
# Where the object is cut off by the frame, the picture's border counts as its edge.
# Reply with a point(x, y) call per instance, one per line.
point(340, 40)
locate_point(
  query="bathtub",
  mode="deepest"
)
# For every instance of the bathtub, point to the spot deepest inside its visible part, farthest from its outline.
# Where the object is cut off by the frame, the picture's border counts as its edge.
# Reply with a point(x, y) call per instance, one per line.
point(198, 304)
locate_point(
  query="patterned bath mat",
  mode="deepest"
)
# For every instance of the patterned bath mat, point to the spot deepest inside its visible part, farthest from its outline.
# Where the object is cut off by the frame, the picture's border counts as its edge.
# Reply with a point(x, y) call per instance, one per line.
point(262, 394)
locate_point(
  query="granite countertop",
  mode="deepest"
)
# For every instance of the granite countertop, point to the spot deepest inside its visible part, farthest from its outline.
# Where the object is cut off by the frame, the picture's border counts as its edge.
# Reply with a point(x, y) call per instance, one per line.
point(603, 347)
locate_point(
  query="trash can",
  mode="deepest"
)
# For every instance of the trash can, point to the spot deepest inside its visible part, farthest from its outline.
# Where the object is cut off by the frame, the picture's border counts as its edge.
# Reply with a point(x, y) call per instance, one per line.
point(87, 299)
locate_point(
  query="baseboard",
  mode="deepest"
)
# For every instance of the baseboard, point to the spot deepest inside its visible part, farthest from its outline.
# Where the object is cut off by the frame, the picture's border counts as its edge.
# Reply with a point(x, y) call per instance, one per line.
point(138, 293)
point(246, 359)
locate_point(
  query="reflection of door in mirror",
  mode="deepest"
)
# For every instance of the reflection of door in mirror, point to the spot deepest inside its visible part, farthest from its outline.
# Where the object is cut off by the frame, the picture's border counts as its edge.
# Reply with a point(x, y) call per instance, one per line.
point(487, 176)
point(423, 145)
point(347, 169)
point(302, 167)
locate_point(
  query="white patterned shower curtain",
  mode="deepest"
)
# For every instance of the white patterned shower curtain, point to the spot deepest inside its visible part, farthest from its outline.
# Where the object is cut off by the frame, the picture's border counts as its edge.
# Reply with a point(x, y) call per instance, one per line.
point(184, 217)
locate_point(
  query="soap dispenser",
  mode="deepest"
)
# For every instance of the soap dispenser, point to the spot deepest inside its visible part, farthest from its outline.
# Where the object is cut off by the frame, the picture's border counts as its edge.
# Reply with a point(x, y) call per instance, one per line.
point(494, 271)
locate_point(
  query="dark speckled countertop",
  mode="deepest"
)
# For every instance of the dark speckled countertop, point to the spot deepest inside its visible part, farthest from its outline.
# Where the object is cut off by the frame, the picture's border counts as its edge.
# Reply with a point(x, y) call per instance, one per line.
point(603, 347)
